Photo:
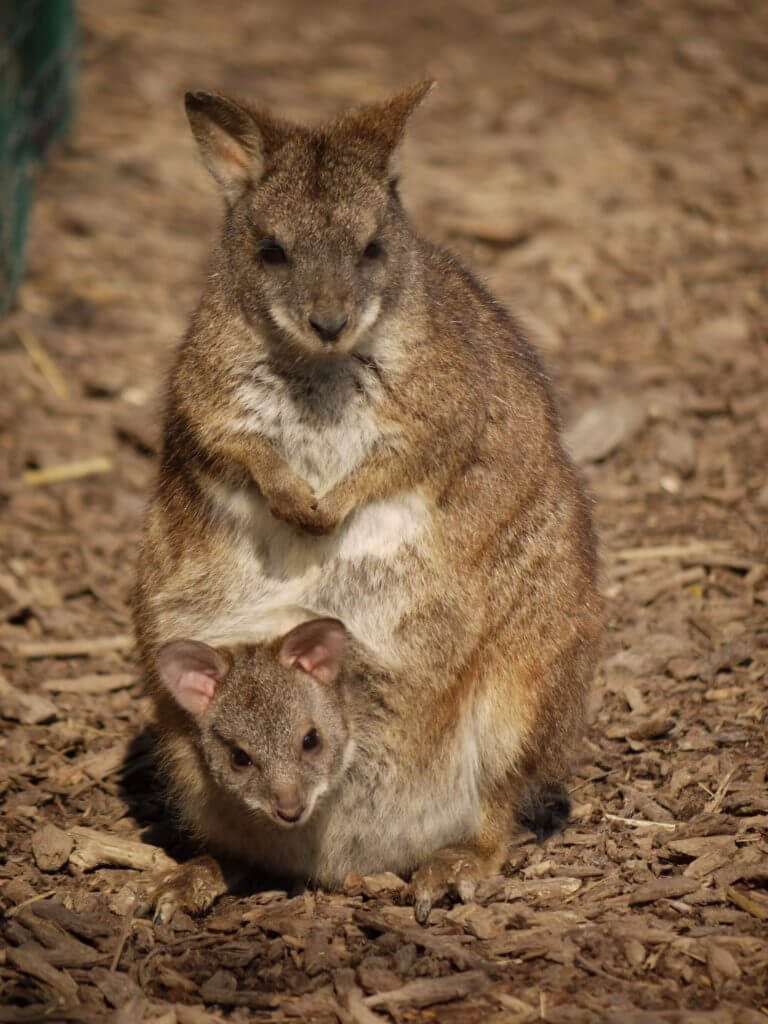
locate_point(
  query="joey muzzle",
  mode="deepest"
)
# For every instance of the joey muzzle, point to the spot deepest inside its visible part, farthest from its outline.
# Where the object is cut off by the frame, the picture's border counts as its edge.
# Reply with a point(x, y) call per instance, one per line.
point(328, 326)
point(288, 804)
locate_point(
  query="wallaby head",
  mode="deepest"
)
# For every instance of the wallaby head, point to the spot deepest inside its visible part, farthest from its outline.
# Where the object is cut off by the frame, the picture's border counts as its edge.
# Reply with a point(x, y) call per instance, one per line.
point(315, 244)
point(271, 721)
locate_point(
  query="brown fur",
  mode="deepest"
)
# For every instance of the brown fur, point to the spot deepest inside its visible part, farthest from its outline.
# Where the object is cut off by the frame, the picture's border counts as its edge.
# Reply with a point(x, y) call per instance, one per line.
point(430, 406)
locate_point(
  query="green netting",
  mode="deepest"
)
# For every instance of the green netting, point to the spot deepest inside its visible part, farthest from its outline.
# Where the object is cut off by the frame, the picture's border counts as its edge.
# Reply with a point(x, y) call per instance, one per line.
point(37, 68)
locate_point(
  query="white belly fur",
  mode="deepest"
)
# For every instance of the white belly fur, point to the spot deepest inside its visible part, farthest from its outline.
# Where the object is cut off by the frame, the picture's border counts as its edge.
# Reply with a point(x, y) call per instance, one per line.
point(275, 572)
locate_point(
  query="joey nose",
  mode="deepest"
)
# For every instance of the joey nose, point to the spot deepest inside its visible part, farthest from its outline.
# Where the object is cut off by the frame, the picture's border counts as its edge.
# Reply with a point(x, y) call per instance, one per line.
point(288, 805)
point(328, 327)
point(290, 813)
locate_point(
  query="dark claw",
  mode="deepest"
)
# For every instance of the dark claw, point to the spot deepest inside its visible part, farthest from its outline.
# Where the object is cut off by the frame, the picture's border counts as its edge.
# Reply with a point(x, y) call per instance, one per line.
point(158, 917)
point(421, 911)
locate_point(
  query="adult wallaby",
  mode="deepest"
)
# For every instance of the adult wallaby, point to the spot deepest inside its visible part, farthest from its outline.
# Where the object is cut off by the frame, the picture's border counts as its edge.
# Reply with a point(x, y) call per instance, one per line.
point(356, 429)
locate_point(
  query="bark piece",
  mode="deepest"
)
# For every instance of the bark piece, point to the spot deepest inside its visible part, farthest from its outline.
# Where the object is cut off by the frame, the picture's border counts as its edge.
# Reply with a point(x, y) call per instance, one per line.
point(27, 708)
point(383, 884)
point(429, 991)
point(668, 888)
point(94, 849)
point(604, 427)
point(30, 962)
point(51, 847)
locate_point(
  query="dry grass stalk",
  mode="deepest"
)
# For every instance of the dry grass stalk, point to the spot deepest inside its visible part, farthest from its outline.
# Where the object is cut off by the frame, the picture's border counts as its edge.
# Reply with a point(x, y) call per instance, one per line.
point(43, 363)
point(68, 471)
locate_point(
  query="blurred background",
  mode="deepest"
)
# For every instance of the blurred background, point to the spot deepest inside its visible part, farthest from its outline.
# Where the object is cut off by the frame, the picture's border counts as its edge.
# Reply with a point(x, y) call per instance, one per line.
point(601, 165)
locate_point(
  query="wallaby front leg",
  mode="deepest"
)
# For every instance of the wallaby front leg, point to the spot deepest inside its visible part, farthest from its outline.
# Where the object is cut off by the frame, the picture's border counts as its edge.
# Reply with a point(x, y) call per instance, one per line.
point(383, 473)
point(290, 498)
point(456, 870)
point(193, 887)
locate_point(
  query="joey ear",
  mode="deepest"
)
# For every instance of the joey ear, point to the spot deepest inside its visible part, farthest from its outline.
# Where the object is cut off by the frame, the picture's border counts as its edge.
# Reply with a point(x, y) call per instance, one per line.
point(234, 139)
point(316, 647)
point(191, 671)
point(380, 126)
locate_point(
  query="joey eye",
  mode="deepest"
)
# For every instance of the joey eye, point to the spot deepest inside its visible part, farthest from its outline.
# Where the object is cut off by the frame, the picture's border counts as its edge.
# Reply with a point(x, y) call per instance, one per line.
point(373, 251)
point(272, 253)
point(239, 759)
point(312, 740)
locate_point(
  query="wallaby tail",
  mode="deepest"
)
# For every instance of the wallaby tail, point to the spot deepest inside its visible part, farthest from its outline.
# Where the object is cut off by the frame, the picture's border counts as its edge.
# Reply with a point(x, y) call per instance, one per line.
point(544, 809)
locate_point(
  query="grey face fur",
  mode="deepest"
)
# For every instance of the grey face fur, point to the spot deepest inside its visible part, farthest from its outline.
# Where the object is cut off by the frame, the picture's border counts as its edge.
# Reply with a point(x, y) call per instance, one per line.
point(273, 736)
point(342, 258)
point(315, 244)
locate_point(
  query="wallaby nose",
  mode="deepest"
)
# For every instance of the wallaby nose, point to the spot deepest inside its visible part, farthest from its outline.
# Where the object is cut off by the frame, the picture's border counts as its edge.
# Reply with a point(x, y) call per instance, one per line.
point(288, 804)
point(328, 328)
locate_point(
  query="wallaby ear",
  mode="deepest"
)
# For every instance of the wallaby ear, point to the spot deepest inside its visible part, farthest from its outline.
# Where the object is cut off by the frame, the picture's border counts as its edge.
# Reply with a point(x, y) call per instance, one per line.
point(191, 671)
point(380, 126)
point(234, 140)
point(316, 647)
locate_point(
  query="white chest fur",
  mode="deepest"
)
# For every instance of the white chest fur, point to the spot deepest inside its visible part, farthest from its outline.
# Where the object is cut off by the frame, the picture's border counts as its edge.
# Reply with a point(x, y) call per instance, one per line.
point(322, 451)
point(274, 576)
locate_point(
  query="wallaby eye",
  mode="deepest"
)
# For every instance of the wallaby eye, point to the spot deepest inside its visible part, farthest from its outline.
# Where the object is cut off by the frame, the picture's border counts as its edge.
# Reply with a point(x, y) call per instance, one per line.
point(373, 251)
point(240, 759)
point(271, 252)
point(312, 740)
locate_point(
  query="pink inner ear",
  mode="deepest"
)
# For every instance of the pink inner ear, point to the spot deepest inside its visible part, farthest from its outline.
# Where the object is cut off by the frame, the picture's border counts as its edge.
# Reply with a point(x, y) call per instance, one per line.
point(316, 648)
point(315, 662)
point(195, 691)
point(191, 672)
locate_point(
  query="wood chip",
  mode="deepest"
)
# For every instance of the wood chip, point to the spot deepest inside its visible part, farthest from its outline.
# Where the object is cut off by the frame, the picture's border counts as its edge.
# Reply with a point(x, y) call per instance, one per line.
point(667, 888)
point(68, 648)
point(90, 684)
point(443, 947)
point(51, 848)
point(359, 1013)
point(43, 362)
point(383, 884)
point(113, 759)
point(429, 991)
point(510, 889)
point(252, 1000)
point(94, 849)
point(604, 427)
point(30, 962)
point(721, 964)
point(745, 903)
point(690, 549)
point(196, 1015)
point(27, 708)
point(640, 822)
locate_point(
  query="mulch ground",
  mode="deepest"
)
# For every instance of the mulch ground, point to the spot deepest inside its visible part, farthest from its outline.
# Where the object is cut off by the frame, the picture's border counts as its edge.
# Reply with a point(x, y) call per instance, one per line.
point(602, 165)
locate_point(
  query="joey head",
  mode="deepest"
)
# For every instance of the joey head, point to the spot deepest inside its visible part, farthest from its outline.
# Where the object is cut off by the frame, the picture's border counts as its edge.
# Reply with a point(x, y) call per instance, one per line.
point(271, 730)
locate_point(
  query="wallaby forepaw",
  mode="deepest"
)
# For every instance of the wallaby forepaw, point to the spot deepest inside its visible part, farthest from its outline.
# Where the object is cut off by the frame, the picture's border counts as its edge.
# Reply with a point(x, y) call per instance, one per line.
point(449, 872)
point(193, 887)
point(307, 512)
